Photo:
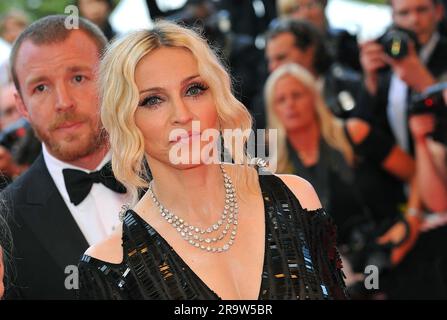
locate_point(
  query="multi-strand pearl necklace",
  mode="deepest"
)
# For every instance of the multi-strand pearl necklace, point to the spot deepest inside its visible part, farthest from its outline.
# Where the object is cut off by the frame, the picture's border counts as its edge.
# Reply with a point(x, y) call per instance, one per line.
point(207, 239)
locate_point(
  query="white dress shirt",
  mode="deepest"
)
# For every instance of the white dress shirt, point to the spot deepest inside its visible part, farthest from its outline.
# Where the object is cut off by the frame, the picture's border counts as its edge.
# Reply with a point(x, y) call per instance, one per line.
point(398, 98)
point(5, 50)
point(97, 215)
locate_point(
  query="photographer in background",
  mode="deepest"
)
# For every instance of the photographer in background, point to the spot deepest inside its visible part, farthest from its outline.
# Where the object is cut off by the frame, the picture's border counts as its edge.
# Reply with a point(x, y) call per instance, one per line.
point(431, 151)
point(394, 69)
point(8, 116)
point(18, 145)
point(299, 41)
point(342, 45)
point(421, 272)
point(392, 73)
point(390, 81)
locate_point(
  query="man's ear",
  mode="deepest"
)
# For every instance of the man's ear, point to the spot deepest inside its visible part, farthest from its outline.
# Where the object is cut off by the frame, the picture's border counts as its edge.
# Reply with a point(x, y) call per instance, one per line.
point(21, 106)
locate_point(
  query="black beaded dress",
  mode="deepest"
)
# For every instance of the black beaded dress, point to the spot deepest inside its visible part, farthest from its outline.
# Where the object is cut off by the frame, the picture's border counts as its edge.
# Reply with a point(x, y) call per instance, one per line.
point(300, 260)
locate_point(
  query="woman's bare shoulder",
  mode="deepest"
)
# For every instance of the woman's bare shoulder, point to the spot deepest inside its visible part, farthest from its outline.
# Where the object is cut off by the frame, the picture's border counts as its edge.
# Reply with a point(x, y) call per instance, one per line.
point(108, 250)
point(300, 187)
point(303, 191)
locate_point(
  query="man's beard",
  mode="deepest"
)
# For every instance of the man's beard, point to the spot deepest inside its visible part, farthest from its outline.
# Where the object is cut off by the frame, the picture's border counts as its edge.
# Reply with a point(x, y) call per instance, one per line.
point(72, 147)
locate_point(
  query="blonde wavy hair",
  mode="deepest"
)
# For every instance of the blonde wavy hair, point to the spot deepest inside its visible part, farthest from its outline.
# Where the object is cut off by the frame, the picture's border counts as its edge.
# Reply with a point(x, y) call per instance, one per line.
point(330, 126)
point(119, 95)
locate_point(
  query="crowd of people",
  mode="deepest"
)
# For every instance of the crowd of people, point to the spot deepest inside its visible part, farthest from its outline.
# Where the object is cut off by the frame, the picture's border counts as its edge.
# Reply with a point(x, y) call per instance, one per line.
point(87, 120)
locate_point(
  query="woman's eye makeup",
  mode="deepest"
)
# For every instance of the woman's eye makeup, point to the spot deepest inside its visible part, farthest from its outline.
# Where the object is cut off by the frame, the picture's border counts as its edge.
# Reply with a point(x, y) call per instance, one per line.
point(196, 89)
point(193, 90)
point(150, 101)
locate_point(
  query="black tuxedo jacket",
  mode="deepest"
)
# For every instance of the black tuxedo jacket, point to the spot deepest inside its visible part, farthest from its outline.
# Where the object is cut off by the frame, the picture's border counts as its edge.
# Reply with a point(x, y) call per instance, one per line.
point(46, 238)
point(374, 108)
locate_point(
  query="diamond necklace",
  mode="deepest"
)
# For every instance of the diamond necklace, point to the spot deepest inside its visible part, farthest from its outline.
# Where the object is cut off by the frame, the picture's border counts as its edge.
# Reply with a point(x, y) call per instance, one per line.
point(226, 225)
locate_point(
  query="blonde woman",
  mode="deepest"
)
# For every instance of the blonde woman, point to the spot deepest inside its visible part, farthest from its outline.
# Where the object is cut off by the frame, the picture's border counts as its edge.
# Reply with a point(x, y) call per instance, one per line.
point(201, 231)
point(312, 142)
point(352, 166)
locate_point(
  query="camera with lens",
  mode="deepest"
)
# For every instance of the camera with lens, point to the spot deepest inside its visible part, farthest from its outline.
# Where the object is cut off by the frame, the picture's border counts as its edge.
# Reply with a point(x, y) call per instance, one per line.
point(431, 101)
point(396, 42)
point(13, 133)
point(362, 248)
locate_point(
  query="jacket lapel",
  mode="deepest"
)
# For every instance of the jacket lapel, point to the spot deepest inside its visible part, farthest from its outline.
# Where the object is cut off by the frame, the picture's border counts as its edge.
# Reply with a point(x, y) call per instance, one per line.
point(47, 215)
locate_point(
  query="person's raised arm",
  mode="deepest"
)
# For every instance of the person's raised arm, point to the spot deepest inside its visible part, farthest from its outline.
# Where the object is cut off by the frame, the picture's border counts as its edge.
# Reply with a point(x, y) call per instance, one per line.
point(371, 59)
point(430, 164)
point(371, 143)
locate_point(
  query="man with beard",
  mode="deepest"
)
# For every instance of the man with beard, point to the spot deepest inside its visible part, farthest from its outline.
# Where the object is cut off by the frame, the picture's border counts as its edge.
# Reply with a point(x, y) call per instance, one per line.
point(68, 199)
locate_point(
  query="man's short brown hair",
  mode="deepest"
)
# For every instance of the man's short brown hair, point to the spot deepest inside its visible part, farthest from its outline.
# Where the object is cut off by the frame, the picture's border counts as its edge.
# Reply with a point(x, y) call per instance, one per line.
point(51, 30)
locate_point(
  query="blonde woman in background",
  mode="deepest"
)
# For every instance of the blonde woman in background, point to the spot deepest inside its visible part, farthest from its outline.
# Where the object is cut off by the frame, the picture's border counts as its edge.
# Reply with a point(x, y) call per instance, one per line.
point(346, 161)
point(312, 142)
point(201, 231)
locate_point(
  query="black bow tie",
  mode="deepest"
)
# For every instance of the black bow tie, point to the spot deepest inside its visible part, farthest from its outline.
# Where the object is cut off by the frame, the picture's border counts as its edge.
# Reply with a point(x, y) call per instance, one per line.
point(79, 183)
